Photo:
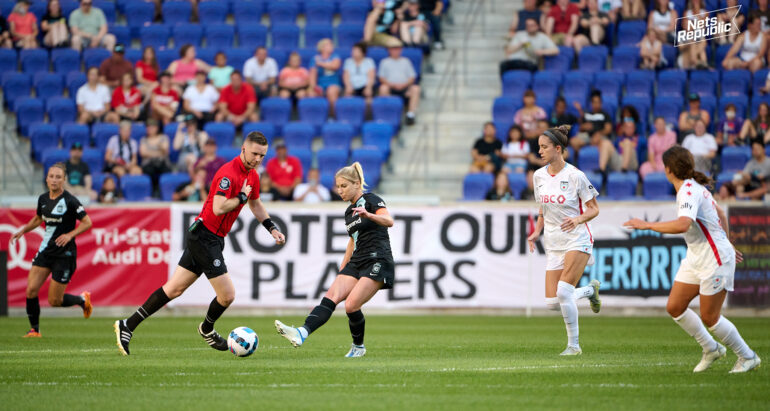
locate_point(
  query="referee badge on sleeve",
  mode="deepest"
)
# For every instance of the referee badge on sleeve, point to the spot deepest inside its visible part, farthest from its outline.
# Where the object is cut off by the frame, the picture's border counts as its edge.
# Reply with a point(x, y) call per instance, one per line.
point(224, 183)
point(564, 185)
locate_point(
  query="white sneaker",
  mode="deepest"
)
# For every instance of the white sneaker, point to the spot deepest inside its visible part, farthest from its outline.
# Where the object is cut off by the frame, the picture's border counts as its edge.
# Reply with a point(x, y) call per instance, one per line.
point(709, 357)
point(596, 302)
point(572, 351)
point(290, 333)
point(356, 351)
point(746, 365)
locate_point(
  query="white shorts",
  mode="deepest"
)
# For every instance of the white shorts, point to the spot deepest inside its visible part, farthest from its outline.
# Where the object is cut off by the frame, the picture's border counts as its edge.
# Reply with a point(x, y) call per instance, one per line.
point(711, 280)
point(555, 258)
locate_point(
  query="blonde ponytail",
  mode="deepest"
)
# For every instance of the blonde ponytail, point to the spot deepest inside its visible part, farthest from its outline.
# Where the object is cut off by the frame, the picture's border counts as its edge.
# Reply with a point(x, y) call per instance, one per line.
point(353, 173)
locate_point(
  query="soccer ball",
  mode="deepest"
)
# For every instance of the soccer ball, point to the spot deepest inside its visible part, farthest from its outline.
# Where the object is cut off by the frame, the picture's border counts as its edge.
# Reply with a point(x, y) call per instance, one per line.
point(242, 341)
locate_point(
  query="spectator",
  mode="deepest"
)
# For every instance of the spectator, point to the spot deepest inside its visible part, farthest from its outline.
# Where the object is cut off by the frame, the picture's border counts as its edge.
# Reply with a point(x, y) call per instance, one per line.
point(703, 147)
point(220, 73)
point(561, 23)
point(209, 161)
point(487, 151)
point(54, 25)
point(545, 7)
point(397, 77)
point(764, 14)
point(183, 69)
point(78, 174)
point(126, 101)
point(752, 182)
point(120, 157)
point(628, 113)
point(657, 144)
point(266, 190)
point(285, 171)
point(432, 9)
point(324, 73)
point(312, 192)
point(634, 10)
point(688, 118)
point(237, 102)
point(93, 99)
point(560, 115)
point(200, 100)
point(381, 27)
point(597, 120)
point(526, 49)
point(5, 33)
point(89, 27)
point(109, 193)
point(359, 73)
point(112, 69)
point(692, 55)
point(662, 21)
point(609, 158)
point(729, 128)
point(413, 25)
point(748, 51)
point(651, 51)
point(154, 149)
point(261, 71)
point(195, 190)
point(759, 127)
point(612, 7)
point(527, 116)
point(23, 26)
point(164, 100)
point(530, 11)
point(726, 16)
point(147, 71)
point(188, 141)
point(591, 27)
point(627, 143)
point(501, 190)
point(294, 79)
point(515, 151)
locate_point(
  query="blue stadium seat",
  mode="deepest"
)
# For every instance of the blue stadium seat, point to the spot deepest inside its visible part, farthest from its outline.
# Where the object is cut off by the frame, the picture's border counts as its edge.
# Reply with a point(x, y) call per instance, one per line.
point(52, 156)
point(668, 108)
point(562, 61)
point(630, 32)
point(388, 109)
point(735, 158)
point(314, 32)
point(154, 35)
point(223, 133)
point(38, 9)
point(228, 153)
point(378, 135)
point(73, 81)
point(625, 58)
point(28, 110)
point(139, 13)
point(735, 83)
point(15, 85)
point(640, 83)
point(671, 83)
point(741, 103)
point(371, 163)
point(595, 179)
point(207, 55)
point(577, 86)
point(354, 11)
point(722, 178)
point(759, 79)
point(756, 101)
point(314, 111)
point(516, 82)
point(97, 180)
point(621, 186)
point(169, 182)
point(64, 60)
point(593, 58)
point(349, 34)
point(327, 180)
point(188, 33)
point(212, 12)
point(337, 135)
point(306, 56)
point(252, 35)
point(247, 11)
point(42, 136)
point(351, 110)
point(721, 53)
point(703, 82)
point(588, 158)
point(102, 132)
point(219, 35)
point(71, 132)
point(9, 60)
point(414, 55)
point(285, 36)
point(709, 103)
point(94, 158)
point(94, 57)
point(48, 84)
point(319, 12)
point(476, 186)
point(177, 11)
point(267, 129)
point(504, 109)
point(282, 12)
point(502, 128)
point(275, 110)
point(518, 183)
point(305, 157)
point(331, 159)
point(298, 134)
point(610, 86)
point(107, 7)
point(122, 33)
point(580, 76)
point(670, 53)
point(34, 60)
point(655, 186)
point(237, 56)
point(137, 188)
point(138, 130)
point(166, 56)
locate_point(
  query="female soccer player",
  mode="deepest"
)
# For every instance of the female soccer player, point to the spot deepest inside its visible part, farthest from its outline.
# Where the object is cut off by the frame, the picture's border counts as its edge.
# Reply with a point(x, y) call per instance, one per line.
point(366, 267)
point(562, 191)
point(708, 267)
point(59, 210)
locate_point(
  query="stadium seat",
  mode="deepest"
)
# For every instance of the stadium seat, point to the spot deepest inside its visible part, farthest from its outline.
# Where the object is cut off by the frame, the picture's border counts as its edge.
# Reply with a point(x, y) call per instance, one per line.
point(136, 188)
point(351, 110)
point(71, 132)
point(94, 158)
point(28, 110)
point(102, 132)
point(166, 56)
point(305, 156)
point(107, 7)
point(671, 83)
point(621, 186)
point(68, 6)
point(52, 156)
point(720, 55)
point(61, 110)
point(756, 101)
point(378, 135)
point(337, 135)
point(285, 36)
point(375, 53)
point(228, 153)
point(207, 54)
point(282, 12)
point(247, 11)
point(518, 183)
point(252, 35)
point(592, 58)
point(94, 57)
point(223, 133)
point(122, 34)
point(154, 35)
point(64, 60)
point(630, 32)
point(73, 81)
point(595, 179)
point(9, 60)
point(176, 11)
point(703, 82)
point(588, 158)
point(275, 110)
point(219, 35)
point(212, 12)
point(735, 158)
point(237, 56)
point(48, 84)
point(34, 60)
point(306, 56)
point(349, 34)
point(331, 159)
point(414, 55)
point(642, 104)
point(722, 178)
point(670, 53)
point(625, 59)
point(267, 129)
point(655, 186)
point(577, 86)
point(314, 32)
point(608, 85)
point(640, 83)
point(138, 130)
point(371, 164)
point(188, 33)
point(561, 62)
point(735, 83)
point(169, 182)
point(668, 108)
point(97, 180)
point(319, 12)
point(759, 79)
point(504, 109)
point(314, 111)
point(42, 136)
point(298, 134)
point(139, 13)
point(516, 82)
point(388, 109)
point(476, 186)
point(354, 11)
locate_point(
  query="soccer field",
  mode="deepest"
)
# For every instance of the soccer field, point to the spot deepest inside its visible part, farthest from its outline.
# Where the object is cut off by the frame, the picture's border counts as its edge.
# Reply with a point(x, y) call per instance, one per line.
point(413, 362)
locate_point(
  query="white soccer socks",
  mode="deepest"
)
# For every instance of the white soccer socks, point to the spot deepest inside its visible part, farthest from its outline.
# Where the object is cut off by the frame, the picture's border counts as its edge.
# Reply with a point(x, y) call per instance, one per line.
point(552, 303)
point(729, 335)
point(691, 323)
point(584, 292)
point(565, 293)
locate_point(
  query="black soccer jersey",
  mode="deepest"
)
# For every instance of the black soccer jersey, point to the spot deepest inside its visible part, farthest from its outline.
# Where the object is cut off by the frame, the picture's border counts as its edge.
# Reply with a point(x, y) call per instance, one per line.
point(371, 240)
point(59, 216)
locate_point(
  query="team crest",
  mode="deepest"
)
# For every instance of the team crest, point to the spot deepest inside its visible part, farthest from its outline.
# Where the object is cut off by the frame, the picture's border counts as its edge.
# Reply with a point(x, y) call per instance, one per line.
point(564, 185)
point(224, 183)
point(217, 263)
point(376, 268)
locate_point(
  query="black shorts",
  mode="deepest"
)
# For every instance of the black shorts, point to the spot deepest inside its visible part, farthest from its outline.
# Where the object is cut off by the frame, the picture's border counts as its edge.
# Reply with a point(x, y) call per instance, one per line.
point(203, 253)
point(400, 93)
point(378, 270)
point(62, 267)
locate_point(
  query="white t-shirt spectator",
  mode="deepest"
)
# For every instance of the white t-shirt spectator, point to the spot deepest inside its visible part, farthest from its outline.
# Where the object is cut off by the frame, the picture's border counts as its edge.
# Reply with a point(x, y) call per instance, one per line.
point(358, 73)
point(516, 148)
point(540, 41)
point(396, 71)
point(202, 101)
point(120, 149)
point(260, 73)
point(312, 198)
point(93, 99)
point(700, 146)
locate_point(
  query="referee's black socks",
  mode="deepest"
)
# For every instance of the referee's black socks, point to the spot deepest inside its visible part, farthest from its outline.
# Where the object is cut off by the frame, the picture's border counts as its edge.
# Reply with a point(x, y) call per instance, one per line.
point(69, 300)
point(215, 311)
point(154, 302)
point(320, 315)
point(33, 313)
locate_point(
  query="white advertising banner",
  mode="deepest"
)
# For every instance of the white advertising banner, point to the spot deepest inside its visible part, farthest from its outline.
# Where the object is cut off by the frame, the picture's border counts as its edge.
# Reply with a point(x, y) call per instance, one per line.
point(454, 255)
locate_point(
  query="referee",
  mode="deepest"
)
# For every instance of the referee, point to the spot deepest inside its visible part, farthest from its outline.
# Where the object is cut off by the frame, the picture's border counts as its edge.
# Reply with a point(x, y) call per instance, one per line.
point(230, 190)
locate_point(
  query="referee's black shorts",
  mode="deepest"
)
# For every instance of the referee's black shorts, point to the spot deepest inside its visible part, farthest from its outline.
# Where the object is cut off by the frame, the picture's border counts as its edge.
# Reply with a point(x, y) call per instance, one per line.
point(380, 270)
point(203, 253)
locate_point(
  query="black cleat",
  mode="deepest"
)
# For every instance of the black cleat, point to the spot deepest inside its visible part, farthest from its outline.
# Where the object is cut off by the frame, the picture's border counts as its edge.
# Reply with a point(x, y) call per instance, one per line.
point(213, 339)
point(123, 335)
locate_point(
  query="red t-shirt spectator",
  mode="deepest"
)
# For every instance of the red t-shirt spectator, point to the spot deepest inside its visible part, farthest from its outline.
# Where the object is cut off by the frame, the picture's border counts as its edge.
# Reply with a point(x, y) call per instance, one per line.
point(237, 102)
point(24, 25)
point(148, 72)
point(284, 174)
point(165, 99)
point(562, 20)
point(131, 99)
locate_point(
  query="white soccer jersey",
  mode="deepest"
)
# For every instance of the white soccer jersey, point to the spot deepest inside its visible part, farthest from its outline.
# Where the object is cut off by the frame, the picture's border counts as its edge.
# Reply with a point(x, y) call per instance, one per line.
point(562, 195)
point(707, 243)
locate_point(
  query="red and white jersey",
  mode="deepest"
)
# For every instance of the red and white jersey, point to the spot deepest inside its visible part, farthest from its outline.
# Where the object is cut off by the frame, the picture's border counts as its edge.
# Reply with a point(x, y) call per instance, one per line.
point(707, 243)
point(563, 195)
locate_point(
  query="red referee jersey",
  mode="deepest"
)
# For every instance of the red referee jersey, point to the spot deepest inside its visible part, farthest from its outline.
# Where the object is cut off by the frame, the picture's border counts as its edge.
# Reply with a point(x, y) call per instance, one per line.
point(228, 182)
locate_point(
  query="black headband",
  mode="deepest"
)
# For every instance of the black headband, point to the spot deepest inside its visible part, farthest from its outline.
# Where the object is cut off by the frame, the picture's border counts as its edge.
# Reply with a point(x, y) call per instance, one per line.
point(554, 139)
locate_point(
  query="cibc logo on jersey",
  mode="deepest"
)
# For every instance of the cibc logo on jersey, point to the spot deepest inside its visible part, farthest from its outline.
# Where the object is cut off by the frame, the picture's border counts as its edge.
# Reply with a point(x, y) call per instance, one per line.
point(560, 199)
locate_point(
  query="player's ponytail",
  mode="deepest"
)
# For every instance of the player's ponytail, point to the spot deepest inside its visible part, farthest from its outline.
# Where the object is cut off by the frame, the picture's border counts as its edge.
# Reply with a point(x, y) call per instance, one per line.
point(681, 164)
point(353, 173)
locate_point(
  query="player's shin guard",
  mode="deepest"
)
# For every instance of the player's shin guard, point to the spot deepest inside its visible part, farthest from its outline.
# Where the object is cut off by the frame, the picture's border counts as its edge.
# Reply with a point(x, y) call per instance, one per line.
point(154, 302)
point(691, 323)
point(553, 303)
point(729, 335)
point(69, 300)
point(215, 311)
point(566, 295)
point(33, 313)
point(357, 324)
point(319, 316)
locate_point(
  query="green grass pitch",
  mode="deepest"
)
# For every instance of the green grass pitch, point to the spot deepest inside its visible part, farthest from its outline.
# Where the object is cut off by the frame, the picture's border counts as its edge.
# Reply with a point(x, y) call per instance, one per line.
point(413, 362)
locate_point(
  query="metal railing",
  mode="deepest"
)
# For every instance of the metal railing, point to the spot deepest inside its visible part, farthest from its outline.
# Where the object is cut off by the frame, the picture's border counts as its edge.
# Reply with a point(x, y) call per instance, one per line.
point(475, 9)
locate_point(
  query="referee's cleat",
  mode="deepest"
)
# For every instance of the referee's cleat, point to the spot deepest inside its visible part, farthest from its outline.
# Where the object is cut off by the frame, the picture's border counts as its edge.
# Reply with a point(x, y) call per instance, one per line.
point(746, 364)
point(87, 307)
point(213, 339)
point(571, 351)
point(709, 358)
point(356, 351)
point(290, 333)
point(596, 302)
point(32, 334)
point(123, 336)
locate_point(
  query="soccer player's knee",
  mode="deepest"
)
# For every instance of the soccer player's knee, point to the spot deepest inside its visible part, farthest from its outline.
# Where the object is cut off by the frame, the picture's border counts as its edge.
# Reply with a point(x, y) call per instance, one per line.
point(675, 309)
point(31, 293)
point(226, 299)
point(352, 306)
point(710, 319)
point(54, 301)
